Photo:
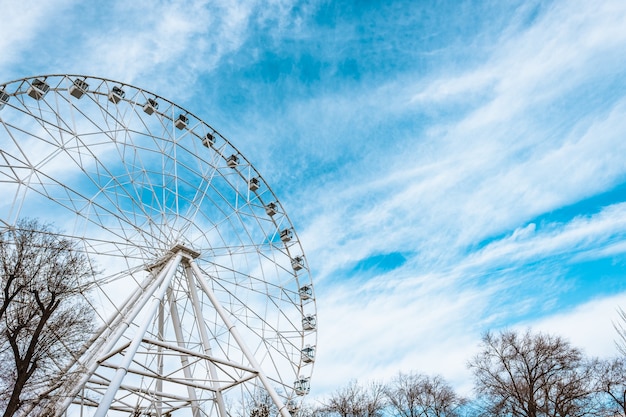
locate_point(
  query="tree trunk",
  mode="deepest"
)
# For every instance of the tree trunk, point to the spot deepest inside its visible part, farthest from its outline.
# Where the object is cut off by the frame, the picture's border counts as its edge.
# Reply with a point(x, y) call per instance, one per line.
point(27, 364)
point(14, 402)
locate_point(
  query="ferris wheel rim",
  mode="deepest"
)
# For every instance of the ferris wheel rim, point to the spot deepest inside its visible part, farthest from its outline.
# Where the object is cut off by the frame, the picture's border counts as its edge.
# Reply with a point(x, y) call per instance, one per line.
point(274, 200)
point(258, 175)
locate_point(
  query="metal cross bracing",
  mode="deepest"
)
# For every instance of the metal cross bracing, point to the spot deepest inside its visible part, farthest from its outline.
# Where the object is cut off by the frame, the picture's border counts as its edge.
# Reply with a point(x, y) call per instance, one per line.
point(115, 375)
point(204, 302)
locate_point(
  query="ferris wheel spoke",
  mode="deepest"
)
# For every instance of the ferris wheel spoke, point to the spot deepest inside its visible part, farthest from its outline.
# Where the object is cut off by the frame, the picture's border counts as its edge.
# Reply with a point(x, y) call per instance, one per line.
point(240, 305)
point(137, 181)
point(86, 207)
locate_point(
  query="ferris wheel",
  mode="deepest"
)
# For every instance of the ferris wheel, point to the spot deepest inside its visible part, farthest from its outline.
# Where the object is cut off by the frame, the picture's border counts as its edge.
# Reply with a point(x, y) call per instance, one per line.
point(204, 301)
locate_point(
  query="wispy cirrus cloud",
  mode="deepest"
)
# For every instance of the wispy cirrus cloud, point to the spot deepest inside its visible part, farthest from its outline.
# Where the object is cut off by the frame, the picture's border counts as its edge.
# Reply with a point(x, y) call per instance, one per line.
point(494, 167)
point(455, 139)
point(23, 24)
point(432, 320)
point(163, 46)
point(465, 190)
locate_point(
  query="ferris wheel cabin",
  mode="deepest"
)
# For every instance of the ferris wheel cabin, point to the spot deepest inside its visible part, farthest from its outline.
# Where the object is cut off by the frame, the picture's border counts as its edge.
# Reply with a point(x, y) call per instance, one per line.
point(78, 88)
point(116, 95)
point(151, 106)
point(297, 263)
point(4, 99)
point(270, 209)
point(38, 89)
point(254, 184)
point(209, 140)
point(286, 235)
point(305, 292)
point(308, 354)
point(302, 386)
point(309, 322)
point(232, 161)
point(181, 122)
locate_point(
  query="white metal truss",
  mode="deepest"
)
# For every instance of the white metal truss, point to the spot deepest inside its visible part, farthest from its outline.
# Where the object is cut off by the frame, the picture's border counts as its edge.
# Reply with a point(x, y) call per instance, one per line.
point(179, 378)
point(203, 304)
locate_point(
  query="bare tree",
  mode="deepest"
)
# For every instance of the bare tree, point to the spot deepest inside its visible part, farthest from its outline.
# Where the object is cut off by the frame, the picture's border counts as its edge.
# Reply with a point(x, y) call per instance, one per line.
point(611, 386)
point(44, 318)
point(310, 410)
point(532, 375)
point(262, 405)
point(418, 395)
point(357, 401)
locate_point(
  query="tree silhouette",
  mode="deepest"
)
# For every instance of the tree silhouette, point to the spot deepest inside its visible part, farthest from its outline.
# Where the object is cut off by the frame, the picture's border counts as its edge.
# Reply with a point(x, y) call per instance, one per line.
point(417, 395)
point(44, 316)
point(532, 375)
point(355, 400)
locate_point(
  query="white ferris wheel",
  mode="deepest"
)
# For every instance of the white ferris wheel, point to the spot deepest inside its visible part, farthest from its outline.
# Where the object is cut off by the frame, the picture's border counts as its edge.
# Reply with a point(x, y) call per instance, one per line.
point(204, 302)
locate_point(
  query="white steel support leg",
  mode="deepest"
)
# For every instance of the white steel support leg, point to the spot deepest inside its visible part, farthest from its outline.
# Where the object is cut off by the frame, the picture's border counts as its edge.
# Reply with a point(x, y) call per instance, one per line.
point(206, 341)
point(117, 379)
point(117, 326)
point(195, 409)
point(159, 381)
point(233, 331)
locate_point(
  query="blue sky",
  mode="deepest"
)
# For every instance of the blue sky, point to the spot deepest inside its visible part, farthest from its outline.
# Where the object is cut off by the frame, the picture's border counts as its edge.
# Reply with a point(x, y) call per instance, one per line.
point(451, 167)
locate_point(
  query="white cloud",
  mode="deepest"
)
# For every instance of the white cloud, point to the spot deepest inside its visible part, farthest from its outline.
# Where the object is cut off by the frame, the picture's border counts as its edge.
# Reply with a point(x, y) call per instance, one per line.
point(581, 239)
point(487, 172)
point(588, 326)
point(494, 169)
point(427, 164)
point(22, 22)
point(429, 324)
point(172, 43)
point(376, 332)
point(162, 46)
point(570, 44)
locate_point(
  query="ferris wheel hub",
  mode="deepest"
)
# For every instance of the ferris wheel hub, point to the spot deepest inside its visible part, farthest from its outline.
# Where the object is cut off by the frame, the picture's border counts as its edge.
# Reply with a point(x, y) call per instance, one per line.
point(187, 251)
point(187, 254)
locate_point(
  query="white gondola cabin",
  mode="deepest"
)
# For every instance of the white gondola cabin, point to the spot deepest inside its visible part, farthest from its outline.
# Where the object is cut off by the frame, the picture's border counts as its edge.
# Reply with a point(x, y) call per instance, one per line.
point(151, 106)
point(232, 161)
point(270, 209)
point(308, 354)
point(286, 235)
point(297, 263)
point(78, 88)
point(309, 322)
point(254, 184)
point(181, 122)
point(38, 89)
point(4, 99)
point(305, 292)
point(116, 95)
point(208, 140)
point(302, 386)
